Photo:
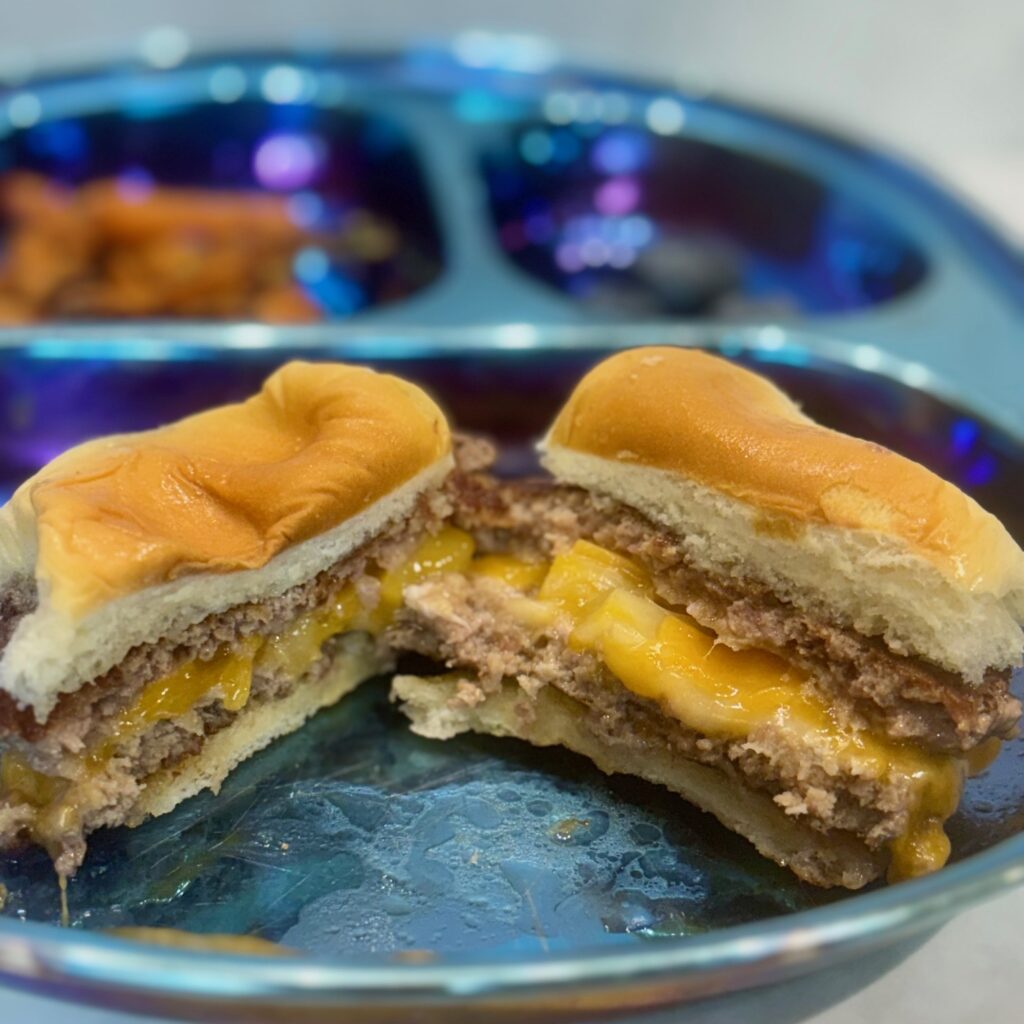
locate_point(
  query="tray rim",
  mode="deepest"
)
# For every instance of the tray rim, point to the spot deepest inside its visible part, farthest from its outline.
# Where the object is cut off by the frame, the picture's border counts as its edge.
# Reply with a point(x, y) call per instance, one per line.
point(972, 229)
point(750, 954)
point(382, 343)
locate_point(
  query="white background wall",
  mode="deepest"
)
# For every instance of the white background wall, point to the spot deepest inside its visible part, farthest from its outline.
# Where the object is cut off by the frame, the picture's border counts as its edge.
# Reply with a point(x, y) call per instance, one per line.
point(941, 80)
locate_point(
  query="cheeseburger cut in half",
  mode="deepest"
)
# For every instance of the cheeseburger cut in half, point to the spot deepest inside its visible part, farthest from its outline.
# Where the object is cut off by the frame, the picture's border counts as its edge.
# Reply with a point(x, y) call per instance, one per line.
point(801, 632)
point(174, 600)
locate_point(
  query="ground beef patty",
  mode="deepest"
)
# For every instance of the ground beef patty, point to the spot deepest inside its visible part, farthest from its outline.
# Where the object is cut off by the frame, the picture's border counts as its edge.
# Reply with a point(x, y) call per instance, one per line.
point(869, 685)
point(463, 622)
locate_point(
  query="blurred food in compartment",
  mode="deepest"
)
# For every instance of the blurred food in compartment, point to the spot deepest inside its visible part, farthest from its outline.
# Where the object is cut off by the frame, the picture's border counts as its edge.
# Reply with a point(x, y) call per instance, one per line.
point(118, 247)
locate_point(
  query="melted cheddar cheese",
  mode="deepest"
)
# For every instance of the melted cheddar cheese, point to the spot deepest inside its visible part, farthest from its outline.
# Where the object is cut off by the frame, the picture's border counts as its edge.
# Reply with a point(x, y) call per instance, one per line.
point(227, 677)
point(228, 674)
point(449, 550)
point(295, 648)
point(665, 656)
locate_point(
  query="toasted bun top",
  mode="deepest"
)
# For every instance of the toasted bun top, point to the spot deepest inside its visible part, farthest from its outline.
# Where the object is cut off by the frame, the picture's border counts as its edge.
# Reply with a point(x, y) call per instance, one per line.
point(220, 491)
point(713, 422)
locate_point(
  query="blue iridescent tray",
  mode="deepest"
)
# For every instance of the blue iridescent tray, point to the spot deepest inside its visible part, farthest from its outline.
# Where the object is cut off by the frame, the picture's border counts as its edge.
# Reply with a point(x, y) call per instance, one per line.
point(475, 874)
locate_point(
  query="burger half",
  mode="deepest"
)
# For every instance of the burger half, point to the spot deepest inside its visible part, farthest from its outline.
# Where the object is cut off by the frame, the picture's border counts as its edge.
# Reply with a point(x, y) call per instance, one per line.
point(171, 601)
point(801, 632)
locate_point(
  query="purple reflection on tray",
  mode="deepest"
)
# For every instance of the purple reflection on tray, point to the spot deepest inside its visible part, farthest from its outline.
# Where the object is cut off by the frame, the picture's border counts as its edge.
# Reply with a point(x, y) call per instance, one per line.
point(625, 219)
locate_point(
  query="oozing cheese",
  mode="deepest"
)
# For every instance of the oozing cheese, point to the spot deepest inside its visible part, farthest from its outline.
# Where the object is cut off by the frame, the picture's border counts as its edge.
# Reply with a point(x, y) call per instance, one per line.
point(59, 801)
point(726, 694)
point(169, 697)
point(449, 550)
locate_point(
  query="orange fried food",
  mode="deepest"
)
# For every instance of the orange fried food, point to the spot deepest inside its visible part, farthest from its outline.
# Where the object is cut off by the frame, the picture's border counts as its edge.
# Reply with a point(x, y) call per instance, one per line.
point(109, 249)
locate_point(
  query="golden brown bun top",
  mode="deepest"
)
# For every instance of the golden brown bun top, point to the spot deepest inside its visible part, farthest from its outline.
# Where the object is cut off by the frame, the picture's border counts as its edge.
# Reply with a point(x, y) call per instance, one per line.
point(712, 421)
point(226, 489)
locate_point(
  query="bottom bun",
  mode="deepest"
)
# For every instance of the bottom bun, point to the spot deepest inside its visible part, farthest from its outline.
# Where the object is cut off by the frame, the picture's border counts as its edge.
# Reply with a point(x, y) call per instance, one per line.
point(253, 730)
point(553, 719)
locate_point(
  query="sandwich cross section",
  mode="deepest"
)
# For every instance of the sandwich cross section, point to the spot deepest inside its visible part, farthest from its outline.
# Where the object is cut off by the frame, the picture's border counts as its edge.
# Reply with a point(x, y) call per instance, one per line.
point(804, 634)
